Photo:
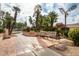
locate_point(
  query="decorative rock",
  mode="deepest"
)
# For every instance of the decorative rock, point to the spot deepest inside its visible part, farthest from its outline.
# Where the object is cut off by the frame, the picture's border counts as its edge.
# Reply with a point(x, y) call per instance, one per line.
point(66, 42)
point(61, 47)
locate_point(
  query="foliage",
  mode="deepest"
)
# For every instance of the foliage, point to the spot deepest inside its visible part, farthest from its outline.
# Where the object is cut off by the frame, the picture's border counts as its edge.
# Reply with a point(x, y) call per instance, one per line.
point(16, 9)
point(53, 17)
point(37, 13)
point(65, 31)
point(27, 29)
point(60, 27)
point(74, 35)
point(1, 30)
point(0, 23)
point(8, 20)
point(44, 22)
point(19, 25)
point(30, 20)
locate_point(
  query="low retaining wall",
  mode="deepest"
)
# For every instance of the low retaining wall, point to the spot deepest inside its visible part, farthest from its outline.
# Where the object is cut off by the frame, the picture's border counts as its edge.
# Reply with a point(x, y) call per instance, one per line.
point(42, 34)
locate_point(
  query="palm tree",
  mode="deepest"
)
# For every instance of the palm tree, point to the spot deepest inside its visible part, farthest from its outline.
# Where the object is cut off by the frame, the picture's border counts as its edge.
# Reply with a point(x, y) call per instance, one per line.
point(37, 12)
point(16, 9)
point(65, 12)
point(53, 17)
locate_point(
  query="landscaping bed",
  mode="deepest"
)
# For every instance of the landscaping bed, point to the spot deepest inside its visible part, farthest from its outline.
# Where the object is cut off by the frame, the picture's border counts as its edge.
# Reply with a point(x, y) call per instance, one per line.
point(63, 46)
point(41, 34)
point(70, 51)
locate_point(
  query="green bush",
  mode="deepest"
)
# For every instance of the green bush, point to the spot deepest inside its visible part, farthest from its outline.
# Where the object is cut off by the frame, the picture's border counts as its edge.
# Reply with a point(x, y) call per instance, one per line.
point(34, 29)
point(27, 29)
point(1, 30)
point(46, 28)
point(65, 31)
point(74, 35)
point(49, 28)
point(62, 29)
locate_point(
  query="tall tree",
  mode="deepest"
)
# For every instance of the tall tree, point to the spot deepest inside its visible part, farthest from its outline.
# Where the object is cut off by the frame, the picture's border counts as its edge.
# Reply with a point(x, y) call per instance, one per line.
point(37, 12)
point(45, 22)
point(7, 21)
point(25, 24)
point(30, 20)
point(19, 25)
point(65, 12)
point(16, 9)
point(2, 15)
point(53, 17)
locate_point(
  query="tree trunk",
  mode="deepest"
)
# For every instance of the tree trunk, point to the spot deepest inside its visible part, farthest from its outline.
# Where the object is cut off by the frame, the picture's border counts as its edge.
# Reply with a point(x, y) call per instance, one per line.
point(6, 34)
point(15, 16)
point(7, 31)
point(65, 19)
point(37, 22)
point(10, 32)
point(51, 23)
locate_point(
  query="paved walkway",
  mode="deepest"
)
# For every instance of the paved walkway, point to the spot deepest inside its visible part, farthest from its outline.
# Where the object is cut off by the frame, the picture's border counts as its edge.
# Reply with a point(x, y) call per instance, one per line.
point(26, 44)
point(8, 47)
point(29, 46)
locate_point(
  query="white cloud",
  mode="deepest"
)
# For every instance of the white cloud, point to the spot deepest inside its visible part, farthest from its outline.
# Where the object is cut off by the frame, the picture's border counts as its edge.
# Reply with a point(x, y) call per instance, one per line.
point(76, 19)
point(28, 8)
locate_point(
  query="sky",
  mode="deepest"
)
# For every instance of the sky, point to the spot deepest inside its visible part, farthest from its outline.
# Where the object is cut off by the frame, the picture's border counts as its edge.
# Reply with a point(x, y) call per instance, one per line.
point(27, 9)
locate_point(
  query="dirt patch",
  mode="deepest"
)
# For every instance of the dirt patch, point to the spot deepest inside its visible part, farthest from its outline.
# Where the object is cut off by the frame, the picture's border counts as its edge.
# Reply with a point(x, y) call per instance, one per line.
point(8, 47)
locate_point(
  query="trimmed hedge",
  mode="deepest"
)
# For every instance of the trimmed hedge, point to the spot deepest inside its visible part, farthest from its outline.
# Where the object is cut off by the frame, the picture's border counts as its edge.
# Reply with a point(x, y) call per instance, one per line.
point(74, 35)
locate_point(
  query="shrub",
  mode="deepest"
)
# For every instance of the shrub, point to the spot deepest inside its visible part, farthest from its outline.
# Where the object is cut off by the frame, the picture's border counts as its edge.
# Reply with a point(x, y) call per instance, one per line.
point(1, 30)
point(62, 29)
point(54, 28)
point(34, 29)
point(74, 35)
point(27, 29)
point(46, 29)
point(65, 31)
point(60, 25)
point(58, 31)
